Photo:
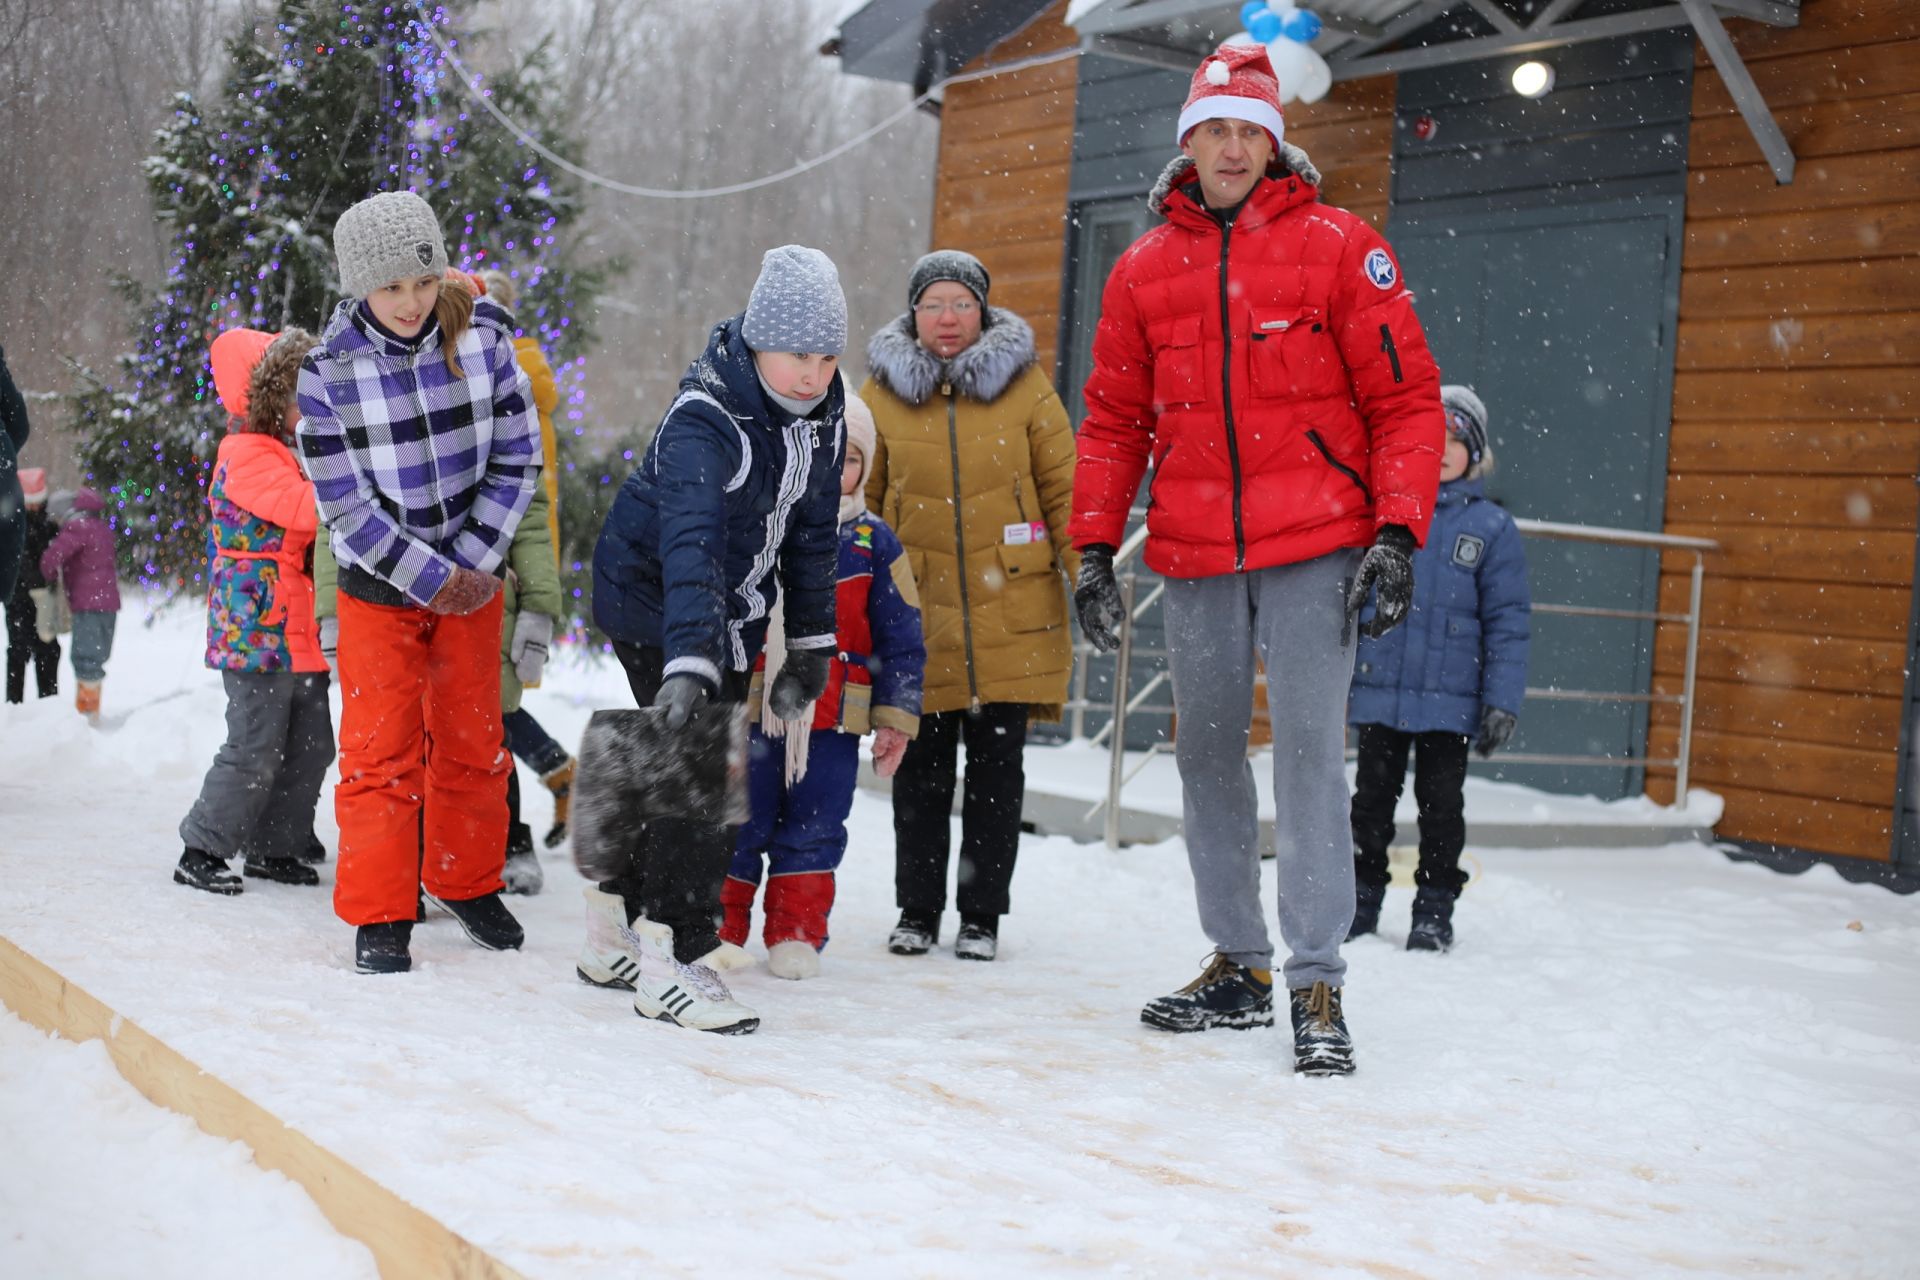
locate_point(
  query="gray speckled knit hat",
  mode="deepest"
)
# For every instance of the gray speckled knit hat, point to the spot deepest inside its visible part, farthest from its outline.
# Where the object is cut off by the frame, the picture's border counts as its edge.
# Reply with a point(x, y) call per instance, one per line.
point(388, 237)
point(956, 265)
point(797, 304)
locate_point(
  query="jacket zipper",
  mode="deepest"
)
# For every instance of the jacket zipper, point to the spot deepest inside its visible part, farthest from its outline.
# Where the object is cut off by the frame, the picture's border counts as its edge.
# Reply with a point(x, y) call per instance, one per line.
point(1019, 503)
point(1340, 466)
point(960, 544)
point(426, 425)
point(1393, 354)
point(1226, 396)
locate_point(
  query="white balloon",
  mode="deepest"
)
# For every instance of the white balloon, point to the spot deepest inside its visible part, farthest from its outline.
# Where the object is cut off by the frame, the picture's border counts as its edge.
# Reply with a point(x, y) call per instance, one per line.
point(1318, 78)
point(1292, 66)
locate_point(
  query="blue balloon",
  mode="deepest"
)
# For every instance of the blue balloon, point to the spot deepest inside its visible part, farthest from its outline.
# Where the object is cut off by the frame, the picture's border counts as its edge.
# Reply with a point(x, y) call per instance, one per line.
point(1301, 26)
point(1249, 9)
point(1265, 26)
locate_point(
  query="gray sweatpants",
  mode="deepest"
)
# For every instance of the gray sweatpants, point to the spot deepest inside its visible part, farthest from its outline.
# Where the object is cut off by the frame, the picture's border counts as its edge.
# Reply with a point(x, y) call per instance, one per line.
point(1295, 614)
point(259, 796)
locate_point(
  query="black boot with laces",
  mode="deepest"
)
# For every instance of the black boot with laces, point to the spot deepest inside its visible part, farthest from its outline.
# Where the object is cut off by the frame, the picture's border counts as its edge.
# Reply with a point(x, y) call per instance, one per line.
point(1225, 994)
point(915, 935)
point(198, 869)
point(1321, 1045)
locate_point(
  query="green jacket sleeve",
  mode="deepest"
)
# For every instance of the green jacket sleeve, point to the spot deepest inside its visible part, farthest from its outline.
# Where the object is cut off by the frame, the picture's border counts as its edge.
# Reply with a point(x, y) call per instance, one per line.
point(326, 575)
point(535, 565)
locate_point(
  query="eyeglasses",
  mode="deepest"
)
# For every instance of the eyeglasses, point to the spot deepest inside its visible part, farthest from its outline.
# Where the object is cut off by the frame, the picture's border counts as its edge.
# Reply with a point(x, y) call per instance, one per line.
point(964, 307)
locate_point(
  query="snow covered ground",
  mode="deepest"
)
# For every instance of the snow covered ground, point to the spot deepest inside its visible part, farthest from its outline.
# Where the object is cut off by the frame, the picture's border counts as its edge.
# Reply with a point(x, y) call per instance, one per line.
point(1637, 1062)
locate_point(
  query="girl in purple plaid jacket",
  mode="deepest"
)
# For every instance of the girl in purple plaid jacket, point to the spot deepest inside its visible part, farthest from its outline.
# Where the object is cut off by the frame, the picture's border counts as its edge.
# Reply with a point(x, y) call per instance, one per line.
point(418, 433)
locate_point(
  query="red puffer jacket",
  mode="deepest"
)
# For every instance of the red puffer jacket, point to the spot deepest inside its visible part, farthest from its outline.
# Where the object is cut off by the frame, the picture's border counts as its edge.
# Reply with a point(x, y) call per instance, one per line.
point(1274, 374)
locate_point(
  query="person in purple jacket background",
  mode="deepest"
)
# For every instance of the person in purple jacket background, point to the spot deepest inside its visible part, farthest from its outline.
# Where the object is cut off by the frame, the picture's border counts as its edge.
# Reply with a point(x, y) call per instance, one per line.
point(81, 556)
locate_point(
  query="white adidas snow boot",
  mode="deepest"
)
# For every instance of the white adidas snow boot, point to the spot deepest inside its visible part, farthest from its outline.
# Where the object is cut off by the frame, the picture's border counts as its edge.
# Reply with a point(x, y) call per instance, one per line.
point(610, 957)
point(793, 959)
point(687, 995)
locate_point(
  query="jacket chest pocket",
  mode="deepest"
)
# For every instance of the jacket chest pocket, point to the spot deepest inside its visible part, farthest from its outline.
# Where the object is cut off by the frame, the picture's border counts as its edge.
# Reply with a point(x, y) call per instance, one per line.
point(1177, 374)
point(1292, 353)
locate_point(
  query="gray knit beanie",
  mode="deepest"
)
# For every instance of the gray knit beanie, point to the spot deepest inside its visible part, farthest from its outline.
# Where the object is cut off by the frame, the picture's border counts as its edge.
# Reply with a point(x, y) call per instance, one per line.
point(388, 237)
point(948, 264)
point(1466, 420)
point(797, 304)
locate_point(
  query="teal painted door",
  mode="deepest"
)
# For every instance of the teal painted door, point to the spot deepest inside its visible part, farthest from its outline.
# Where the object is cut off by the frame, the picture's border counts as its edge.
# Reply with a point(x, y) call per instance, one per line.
point(1561, 320)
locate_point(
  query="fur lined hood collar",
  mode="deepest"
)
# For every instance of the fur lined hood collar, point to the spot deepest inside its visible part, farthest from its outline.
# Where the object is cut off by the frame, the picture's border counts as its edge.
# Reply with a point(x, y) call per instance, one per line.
point(982, 372)
point(1290, 159)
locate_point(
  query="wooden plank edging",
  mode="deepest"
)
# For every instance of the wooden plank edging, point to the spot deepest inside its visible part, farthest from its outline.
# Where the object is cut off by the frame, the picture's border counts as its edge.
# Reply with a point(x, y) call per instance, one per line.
point(406, 1242)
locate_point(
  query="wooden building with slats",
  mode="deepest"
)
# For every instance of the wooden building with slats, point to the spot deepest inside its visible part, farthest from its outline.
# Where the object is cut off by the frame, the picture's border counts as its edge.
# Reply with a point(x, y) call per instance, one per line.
point(1686, 280)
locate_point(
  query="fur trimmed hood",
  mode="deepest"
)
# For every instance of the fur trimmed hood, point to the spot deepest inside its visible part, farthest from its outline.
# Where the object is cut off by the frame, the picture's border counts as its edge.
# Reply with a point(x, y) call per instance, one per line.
point(1290, 159)
point(900, 364)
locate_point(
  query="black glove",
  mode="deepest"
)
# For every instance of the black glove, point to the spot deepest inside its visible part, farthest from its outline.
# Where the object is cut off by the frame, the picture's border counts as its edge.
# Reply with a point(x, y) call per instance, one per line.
point(681, 695)
point(802, 678)
point(1496, 727)
point(1387, 567)
point(1096, 598)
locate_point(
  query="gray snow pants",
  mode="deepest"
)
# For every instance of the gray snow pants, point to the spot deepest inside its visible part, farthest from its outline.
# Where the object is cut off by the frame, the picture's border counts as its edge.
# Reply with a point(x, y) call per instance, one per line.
point(1295, 615)
point(259, 796)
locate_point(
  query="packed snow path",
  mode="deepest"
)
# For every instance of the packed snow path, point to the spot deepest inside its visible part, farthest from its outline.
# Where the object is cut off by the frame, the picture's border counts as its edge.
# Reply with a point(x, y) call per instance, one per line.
point(1639, 1062)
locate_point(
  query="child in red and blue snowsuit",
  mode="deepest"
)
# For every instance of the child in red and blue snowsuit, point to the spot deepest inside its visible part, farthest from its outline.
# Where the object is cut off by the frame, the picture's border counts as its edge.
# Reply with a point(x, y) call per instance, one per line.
point(802, 788)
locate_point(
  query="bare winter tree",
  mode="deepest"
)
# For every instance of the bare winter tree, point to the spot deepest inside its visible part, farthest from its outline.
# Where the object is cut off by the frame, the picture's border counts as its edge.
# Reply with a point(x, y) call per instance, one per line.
point(83, 85)
point(666, 93)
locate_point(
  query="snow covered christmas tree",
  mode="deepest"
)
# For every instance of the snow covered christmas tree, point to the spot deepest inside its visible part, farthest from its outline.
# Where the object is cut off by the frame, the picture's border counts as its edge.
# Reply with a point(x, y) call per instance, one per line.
point(333, 101)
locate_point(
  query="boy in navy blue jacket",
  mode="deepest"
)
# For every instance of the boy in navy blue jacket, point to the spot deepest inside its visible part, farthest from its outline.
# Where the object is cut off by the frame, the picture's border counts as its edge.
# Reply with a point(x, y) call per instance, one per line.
point(1453, 676)
point(801, 772)
point(733, 507)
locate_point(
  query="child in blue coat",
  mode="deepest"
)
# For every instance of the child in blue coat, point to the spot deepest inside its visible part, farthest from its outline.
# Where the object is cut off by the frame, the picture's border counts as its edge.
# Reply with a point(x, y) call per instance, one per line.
point(801, 772)
point(1454, 675)
point(732, 509)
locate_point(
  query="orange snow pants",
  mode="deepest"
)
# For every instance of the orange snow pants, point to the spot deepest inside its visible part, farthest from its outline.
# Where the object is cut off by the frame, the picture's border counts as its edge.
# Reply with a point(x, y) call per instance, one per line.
point(423, 775)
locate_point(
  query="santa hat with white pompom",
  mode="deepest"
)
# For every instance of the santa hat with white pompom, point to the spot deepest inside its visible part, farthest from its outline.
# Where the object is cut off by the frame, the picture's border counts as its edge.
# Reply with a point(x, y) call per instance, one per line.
point(1236, 82)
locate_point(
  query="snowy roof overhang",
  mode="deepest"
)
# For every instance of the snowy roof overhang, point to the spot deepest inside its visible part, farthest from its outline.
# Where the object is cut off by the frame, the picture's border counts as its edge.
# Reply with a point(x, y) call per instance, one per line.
point(1381, 37)
point(920, 42)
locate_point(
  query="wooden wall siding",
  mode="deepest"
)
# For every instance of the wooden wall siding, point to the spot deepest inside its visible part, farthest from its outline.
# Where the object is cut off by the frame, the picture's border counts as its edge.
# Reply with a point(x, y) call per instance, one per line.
point(1000, 190)
point(1796, 431)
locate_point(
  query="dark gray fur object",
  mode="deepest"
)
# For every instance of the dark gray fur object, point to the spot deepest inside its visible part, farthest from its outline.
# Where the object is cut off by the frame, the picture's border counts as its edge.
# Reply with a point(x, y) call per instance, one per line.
point(633, 770)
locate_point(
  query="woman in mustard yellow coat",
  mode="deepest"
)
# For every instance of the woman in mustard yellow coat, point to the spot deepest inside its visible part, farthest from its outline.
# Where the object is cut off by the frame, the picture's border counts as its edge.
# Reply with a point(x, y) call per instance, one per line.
point(974, 472)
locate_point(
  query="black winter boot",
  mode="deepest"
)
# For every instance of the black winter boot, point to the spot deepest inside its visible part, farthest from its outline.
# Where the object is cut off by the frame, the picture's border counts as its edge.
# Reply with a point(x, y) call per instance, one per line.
point(314, 850)
point(1321, 1045)
point(199, 869)
point(486, 920)
point(915, 935)
point(282, 870)
point(523, 873)
point(1366, 908)
point(978, 939)
point(382, 948)
point(1224, 995)
point(1432, 921)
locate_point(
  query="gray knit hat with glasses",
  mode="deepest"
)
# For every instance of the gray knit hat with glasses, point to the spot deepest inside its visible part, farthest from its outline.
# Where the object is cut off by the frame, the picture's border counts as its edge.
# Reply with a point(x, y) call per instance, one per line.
point(797, 305)
point(948, 264)
point(388, 237)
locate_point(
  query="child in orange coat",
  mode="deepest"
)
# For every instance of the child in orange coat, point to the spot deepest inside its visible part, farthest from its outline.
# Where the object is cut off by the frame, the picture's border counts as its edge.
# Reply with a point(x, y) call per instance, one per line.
point(258, 800)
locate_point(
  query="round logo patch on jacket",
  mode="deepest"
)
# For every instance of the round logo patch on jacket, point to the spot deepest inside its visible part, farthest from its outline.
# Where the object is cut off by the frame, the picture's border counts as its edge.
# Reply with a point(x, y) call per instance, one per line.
point(1379, 268)
point(1467, 550)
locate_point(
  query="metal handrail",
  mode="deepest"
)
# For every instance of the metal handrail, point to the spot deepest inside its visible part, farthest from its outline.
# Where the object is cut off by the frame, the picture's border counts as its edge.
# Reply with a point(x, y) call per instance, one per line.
point(1115, 728)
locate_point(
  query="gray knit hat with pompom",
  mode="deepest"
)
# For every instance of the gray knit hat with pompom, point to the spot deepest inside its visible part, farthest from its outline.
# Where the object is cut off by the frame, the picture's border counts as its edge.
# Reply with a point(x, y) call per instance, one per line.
point(388, 237)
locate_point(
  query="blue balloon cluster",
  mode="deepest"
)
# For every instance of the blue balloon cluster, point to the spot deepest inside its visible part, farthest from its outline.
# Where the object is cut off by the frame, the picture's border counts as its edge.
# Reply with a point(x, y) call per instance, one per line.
point(1266, 26)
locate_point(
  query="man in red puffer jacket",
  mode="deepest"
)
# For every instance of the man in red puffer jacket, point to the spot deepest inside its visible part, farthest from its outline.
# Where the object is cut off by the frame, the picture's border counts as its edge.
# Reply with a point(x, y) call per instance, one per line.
point(1261, 352)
